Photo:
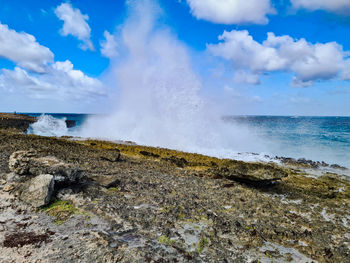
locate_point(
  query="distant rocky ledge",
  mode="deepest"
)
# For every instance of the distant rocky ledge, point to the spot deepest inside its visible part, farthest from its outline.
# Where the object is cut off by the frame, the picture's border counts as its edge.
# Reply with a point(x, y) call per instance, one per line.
point(21, 122)
point(64, 200)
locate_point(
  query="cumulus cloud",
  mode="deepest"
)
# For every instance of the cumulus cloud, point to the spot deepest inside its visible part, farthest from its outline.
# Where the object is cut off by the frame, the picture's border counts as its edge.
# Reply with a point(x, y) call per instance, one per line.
point(24, 50)
point(309, 62)
point(60, 81)
point(109, 46)
point(232, 11)
point(37, 75)
point(75, 24)
point(337, 6)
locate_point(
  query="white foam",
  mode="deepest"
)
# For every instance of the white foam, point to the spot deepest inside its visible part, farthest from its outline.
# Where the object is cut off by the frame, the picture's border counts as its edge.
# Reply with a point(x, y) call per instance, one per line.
point(47, 125)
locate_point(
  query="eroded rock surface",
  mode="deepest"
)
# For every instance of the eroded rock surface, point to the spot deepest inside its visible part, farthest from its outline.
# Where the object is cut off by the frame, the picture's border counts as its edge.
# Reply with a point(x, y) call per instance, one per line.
point(28, 163)
point(38, 191)
point(35, 179)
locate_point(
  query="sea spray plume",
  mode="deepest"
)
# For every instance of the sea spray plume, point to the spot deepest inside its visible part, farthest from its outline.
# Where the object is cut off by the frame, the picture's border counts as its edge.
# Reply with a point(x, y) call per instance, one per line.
point(46, 125)
point(159, 102)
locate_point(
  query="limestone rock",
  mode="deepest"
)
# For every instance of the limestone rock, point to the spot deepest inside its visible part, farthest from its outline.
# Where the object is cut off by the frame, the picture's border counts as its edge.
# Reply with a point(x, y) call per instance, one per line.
point(19, 161)
point(28, 163)
point(38, 191)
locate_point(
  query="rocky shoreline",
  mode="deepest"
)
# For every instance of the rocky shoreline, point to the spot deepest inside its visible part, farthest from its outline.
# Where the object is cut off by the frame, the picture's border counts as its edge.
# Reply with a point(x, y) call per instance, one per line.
point(21, 122)
point(66, 200)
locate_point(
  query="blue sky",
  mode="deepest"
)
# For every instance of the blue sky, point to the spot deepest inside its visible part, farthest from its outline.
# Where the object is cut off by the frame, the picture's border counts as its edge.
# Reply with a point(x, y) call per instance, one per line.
point(302, 68)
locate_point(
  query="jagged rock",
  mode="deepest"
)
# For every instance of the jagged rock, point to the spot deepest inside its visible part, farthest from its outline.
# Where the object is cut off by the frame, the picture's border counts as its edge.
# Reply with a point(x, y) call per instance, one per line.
point(107, 181)
point(19, 161)
point(251, 173)
point(28, 163)
point(71, 123)
point(38, 191)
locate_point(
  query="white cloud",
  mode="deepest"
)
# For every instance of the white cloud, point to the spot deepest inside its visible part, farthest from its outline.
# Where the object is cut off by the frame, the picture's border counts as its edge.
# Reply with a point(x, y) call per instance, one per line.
point(309, 62)
point(232, 11)
point(60, 82)
point(109, 46)
point(75, 24)
point(337, 6)
point(23, 49)
point(36, 75)
point(242, 76)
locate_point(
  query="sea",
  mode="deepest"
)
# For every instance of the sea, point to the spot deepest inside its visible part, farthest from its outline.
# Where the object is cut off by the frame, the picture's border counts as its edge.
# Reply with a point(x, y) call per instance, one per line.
point(320, 139)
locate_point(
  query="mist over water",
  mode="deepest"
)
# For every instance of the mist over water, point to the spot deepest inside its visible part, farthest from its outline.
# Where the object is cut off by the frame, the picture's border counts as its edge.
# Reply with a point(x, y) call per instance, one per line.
point(159, 102)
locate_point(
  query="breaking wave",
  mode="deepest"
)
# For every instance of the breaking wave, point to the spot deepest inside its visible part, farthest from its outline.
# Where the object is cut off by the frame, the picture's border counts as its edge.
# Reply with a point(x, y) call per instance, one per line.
point(47, 125)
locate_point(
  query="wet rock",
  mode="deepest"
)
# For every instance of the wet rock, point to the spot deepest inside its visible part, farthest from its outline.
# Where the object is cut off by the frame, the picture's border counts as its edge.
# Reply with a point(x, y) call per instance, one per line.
point(70, 123)
point(28, 163)
point(38, 191)
point(251, 173)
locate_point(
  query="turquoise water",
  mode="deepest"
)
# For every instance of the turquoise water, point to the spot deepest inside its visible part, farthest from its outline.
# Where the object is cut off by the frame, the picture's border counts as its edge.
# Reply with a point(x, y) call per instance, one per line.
point(316, 138)
point(313, 138)
point(79, 118)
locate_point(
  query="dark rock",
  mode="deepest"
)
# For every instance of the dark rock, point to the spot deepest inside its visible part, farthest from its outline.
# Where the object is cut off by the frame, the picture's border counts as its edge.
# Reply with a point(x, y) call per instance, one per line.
point(21, 239)
point(149, 154)
point(179, 162)
point(19, 122)
point(71, 123)
point(107, 181)
point(251, 173)
point(337, 166)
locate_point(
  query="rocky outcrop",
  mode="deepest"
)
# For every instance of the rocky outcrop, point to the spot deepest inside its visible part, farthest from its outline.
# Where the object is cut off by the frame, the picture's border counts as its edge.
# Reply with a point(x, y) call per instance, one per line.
point(251, 173)
point(38, 191)
point(21, 122)
point(35, 178)
point(28, 163)
point(71, 123)
point(18, 122)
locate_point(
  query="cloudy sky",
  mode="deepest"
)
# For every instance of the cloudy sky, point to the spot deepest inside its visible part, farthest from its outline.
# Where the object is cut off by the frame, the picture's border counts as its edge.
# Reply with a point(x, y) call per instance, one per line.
point(279, 57)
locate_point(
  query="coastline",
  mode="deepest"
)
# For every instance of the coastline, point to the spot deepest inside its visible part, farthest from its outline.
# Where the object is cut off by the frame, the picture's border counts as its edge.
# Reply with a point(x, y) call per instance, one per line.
point(160, 204)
